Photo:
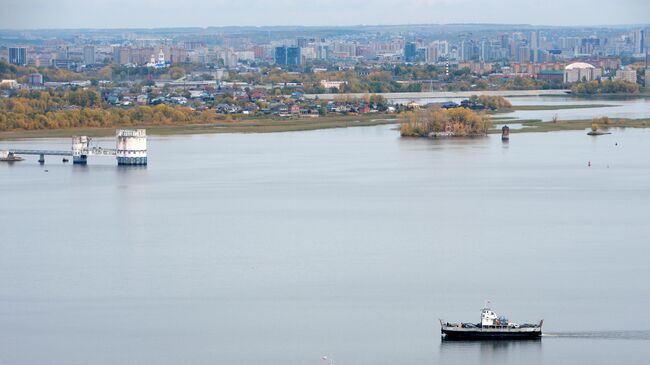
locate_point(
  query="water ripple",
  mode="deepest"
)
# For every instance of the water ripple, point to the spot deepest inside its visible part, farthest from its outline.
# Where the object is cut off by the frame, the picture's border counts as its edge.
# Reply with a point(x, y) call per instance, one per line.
point(607, 335)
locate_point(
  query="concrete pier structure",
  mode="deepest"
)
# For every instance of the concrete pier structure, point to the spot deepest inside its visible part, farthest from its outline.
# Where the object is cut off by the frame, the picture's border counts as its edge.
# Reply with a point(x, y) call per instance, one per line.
point(131, 146)
point(80, 146)
point(131, 149)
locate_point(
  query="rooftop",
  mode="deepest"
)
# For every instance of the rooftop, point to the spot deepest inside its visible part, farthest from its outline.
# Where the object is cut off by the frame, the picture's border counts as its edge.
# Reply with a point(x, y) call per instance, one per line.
point(577, 65)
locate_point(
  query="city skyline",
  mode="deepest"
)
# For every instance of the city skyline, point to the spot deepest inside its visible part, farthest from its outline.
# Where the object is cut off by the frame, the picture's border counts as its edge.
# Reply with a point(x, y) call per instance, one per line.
point(118, 14)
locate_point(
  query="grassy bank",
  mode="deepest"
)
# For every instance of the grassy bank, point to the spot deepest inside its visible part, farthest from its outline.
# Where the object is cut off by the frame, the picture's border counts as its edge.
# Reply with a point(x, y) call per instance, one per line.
point(537, 126)
point(269, 125)
point(252, 125)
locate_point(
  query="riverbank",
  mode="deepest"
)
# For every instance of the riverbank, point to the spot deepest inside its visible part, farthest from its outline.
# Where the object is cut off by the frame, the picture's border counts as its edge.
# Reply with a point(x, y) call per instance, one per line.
point(447, 94)
point(306, 124)
point(253, 125)
point(553, 107)
point(537, 126)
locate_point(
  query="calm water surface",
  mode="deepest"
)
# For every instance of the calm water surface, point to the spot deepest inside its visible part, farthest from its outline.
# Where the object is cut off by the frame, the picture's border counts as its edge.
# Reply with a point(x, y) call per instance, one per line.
point(351, 243)
point(613, 107)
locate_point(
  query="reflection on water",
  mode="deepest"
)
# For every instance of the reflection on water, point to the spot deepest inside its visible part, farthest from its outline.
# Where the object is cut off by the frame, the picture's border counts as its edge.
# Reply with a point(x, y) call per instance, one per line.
point(638, 107)
point(130, 168)
point(489, 351)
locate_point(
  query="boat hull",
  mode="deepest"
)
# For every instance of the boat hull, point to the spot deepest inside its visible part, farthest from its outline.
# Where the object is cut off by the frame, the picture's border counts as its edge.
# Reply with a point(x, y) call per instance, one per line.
point(460, 333)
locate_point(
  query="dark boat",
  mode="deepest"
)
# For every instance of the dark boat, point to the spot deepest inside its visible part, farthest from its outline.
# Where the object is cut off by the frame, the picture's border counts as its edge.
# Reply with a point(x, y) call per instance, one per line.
point(491, 327)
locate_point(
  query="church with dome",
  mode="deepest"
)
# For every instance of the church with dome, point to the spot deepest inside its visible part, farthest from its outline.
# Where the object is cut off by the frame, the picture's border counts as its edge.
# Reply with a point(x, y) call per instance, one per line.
point(158, 63)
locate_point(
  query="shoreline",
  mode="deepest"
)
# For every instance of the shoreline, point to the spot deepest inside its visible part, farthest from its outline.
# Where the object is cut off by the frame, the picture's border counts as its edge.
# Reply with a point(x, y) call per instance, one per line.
point(528, 126)
point(243, 126)
point(448, 94)
point(538, 126)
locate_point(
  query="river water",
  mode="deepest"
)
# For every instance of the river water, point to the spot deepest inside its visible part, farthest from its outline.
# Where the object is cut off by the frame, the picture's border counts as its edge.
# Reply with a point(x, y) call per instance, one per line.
point(612, 107)
point(347, 243)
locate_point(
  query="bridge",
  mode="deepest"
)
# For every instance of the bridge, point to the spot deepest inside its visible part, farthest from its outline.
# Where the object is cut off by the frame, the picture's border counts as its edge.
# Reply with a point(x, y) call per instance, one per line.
point(131, 149)
point(40, 153)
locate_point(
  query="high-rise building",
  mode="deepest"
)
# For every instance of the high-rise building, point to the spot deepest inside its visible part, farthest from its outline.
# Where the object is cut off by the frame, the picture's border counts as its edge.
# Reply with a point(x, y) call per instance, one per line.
point(410, 52)
point(534, 39)
point(89, 55)
point(260, 52)
point(302, 42)
point(281, 55)
point(18, 56)
point(639, 41)
point(294, 56)
point(468, 51)
point(432, 53)
point(229, 57)
point(421, 54)
point(322, 51)
point(534, 45)
point(442, 47)
point(117, 55)
point(287, 55)
point(504, 40)
point(523, 54)
point(485, 50)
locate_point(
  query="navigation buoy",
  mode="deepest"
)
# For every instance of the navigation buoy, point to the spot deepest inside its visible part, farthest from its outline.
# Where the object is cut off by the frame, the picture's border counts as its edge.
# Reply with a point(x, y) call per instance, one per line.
point(589, 164)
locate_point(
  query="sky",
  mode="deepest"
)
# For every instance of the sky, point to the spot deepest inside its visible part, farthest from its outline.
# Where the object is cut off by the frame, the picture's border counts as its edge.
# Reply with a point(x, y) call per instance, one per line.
point(40, 14)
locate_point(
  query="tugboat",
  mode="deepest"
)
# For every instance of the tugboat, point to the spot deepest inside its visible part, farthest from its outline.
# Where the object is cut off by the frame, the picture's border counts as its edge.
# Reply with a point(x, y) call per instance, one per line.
point(7, 156)
point(492, 327)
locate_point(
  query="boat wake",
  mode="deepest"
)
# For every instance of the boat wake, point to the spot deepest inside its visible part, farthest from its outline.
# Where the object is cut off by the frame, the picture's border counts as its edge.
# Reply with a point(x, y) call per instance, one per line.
point(602, 335)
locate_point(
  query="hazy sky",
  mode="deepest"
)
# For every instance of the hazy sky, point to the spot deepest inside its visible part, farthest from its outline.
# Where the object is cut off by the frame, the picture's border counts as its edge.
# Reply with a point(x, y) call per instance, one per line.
point(202, 13)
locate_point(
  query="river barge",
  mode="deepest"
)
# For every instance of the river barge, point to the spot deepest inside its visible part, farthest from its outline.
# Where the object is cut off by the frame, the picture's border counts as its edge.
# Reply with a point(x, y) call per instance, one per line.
point(491, 327)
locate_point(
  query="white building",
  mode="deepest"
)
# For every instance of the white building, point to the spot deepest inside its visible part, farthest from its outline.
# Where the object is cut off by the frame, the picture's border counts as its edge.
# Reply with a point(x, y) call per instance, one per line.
point(626, 75)
point(308, 53)
point(245, 55)
point(330, 84)
point(581, 71)
point(9, 84)
point(89, 55)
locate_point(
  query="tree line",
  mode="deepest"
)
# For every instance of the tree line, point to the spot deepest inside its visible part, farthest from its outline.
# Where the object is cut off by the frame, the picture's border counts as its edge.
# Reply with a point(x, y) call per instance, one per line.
point(605, 87)
point(85, 108)
point(457, 122)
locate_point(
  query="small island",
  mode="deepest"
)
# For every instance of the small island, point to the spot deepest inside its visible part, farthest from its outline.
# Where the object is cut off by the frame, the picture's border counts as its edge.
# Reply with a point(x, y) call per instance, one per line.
point(437, 122)
point(595, 130)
